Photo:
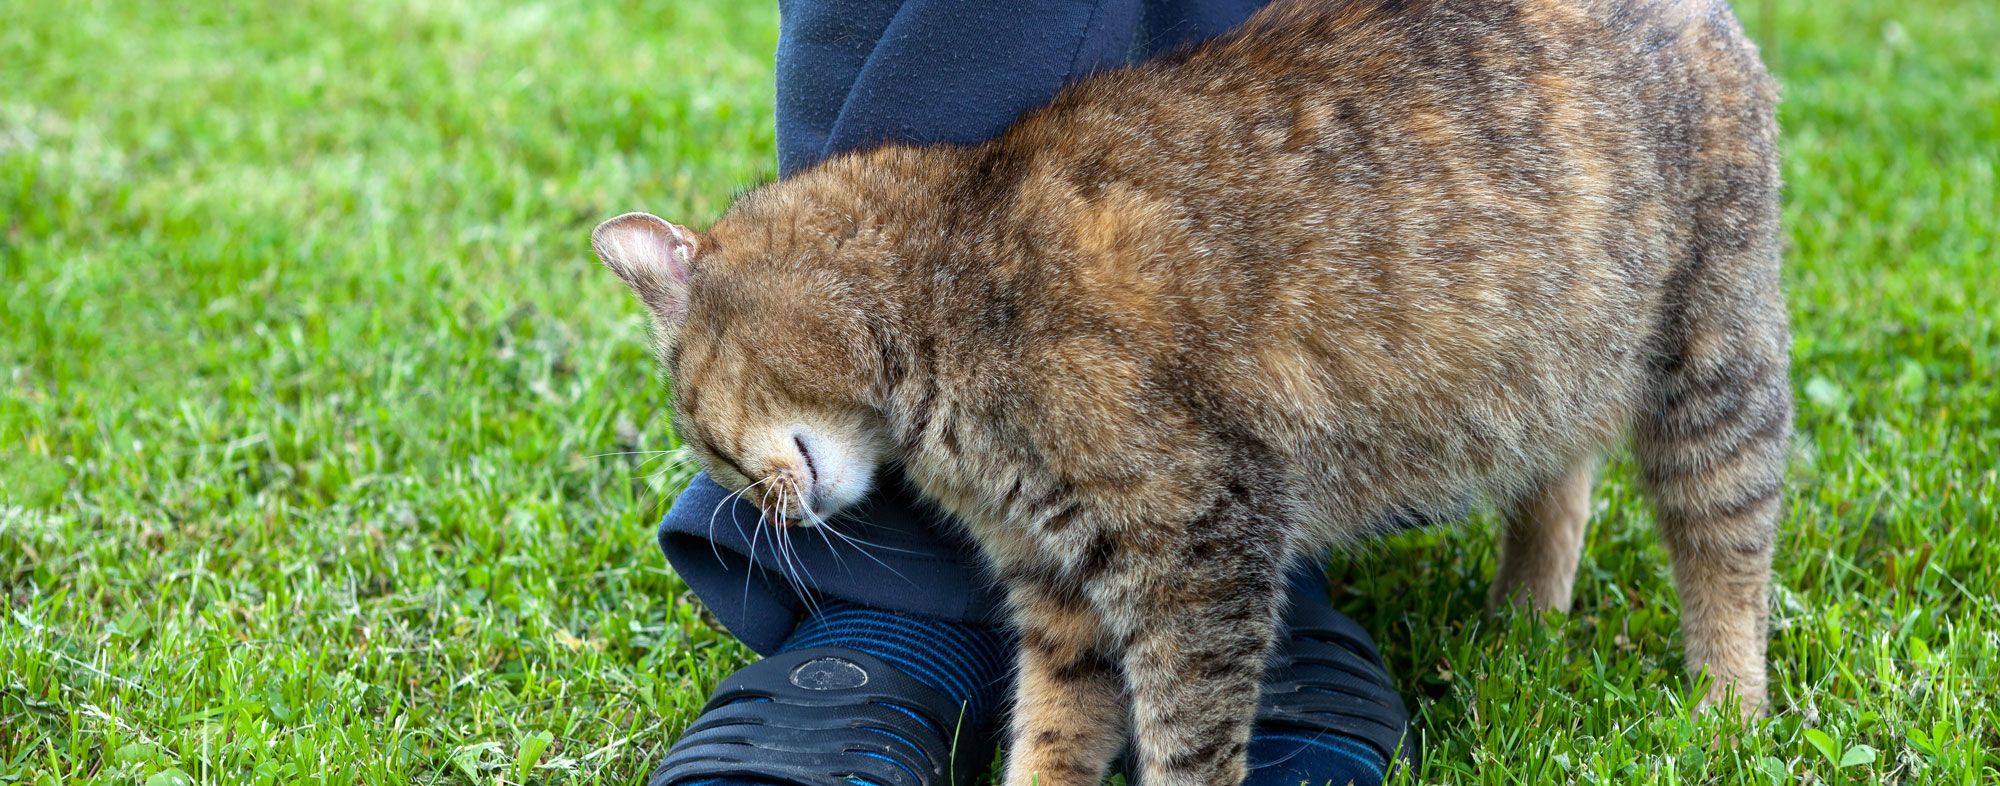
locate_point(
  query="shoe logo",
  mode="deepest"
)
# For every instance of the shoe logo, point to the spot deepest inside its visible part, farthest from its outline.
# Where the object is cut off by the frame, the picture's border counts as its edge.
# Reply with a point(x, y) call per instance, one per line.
point(829, 673)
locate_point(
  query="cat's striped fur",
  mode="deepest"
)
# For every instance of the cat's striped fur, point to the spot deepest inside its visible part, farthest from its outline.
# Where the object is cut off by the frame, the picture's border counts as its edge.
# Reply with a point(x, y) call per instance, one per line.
point(1201, 318)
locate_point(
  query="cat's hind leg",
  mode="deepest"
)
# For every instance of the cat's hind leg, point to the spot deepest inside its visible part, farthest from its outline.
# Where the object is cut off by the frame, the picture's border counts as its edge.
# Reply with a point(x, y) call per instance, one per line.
point(1542, 540)
point(1713, 448)
point(1714, 433)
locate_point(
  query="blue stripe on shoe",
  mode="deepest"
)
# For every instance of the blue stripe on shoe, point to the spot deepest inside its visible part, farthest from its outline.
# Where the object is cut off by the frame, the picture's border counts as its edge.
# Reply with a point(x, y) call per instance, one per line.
point(971, 646)
point(894, 736)
point(899, 765)
point(927, 664)
point(910, 712)
point(1333, 746)
point(967, 663)
point(941, 635)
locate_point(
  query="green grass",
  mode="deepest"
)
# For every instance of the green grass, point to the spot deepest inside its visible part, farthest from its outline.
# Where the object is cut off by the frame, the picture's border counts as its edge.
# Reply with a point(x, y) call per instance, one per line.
point(307, 384)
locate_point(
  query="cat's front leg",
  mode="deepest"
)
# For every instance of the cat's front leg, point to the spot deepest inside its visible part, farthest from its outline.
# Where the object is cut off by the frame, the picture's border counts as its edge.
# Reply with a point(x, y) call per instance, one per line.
point(1194, 667)
point(1069, 712)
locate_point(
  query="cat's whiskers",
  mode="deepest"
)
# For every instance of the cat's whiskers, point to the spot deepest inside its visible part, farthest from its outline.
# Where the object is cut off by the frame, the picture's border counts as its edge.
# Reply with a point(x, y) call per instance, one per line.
point(733, 496)
point(756, 533)
point(802, 574)
point(772, 520)
point(859, 545)
point(805, 510)
point(837, 559)
point(764, 503)
point(828, 524)
point(654, 453)
point(676, 459)
point(788, 563)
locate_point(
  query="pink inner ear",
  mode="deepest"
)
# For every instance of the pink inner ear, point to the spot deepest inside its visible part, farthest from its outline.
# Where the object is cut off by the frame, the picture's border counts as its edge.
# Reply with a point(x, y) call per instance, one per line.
point(683, 249)
point(646, 251)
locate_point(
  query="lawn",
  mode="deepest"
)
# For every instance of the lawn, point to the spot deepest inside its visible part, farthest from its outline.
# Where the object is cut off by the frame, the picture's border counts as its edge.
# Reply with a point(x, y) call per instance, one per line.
point(323, 440)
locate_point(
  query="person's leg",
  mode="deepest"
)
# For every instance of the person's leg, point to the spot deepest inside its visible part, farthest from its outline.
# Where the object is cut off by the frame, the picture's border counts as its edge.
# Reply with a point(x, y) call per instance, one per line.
point(1168, 24)
point(932, 70)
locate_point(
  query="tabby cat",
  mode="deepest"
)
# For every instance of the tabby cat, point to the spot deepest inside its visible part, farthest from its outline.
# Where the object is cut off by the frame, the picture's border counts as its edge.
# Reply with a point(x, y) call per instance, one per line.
point(1202, 318)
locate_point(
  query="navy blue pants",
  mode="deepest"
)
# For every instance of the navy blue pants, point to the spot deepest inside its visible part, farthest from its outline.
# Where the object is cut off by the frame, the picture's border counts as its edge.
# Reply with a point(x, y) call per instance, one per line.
point(853, 74)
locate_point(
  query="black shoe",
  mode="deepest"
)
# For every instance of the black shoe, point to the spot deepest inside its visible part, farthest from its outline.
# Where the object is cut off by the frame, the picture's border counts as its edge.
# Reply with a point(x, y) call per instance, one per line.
point(828, 716)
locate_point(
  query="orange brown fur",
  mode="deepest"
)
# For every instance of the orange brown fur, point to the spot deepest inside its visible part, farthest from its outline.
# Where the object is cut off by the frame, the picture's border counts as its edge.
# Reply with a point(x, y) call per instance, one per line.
point(1201, 318)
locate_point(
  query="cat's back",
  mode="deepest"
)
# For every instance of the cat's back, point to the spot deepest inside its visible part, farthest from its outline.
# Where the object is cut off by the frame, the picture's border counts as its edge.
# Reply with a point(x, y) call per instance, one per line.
point(1418, 123)
point(1492, 166)
point(1447, 222)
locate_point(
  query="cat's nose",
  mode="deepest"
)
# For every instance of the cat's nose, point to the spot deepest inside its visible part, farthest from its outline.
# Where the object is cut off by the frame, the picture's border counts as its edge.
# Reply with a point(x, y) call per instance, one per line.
point(806, 459)
point(794, 495)
point(806, 497)
point(779, 496)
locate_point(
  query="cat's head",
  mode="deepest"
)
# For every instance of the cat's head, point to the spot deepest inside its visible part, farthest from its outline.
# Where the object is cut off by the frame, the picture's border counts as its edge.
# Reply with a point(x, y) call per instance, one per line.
point(772, 354)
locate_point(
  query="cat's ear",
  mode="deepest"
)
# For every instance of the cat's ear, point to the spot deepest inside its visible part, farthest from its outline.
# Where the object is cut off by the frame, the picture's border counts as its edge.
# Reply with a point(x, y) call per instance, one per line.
point(655, 258)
